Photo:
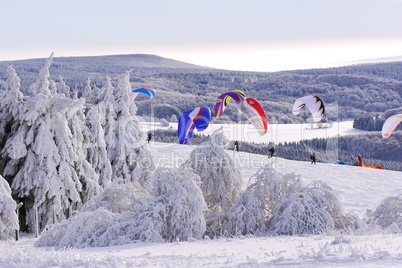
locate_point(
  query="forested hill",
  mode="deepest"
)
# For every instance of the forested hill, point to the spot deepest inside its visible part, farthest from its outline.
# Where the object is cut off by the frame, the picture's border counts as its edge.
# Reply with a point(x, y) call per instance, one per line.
point(392, 70)
point(106, 64)
point(76, 70)
point(349, 92)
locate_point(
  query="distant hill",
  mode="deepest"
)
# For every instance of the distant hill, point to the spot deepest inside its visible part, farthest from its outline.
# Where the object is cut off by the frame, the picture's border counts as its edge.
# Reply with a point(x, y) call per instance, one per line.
point(123, 61)
point(76, 70)
point(379, 60)
point(349, 92)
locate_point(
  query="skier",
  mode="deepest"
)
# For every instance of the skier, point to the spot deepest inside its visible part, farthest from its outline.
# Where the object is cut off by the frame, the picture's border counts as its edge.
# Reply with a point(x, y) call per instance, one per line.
point(312, 157)
point(271, 152)
point(236, 144)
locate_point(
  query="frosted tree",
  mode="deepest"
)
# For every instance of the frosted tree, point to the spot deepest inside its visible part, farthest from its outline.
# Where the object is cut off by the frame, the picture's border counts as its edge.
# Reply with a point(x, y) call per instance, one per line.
point(164, 122)
point(173, 119)
point(10, 101)
point(253, 211)
point(300, 214)
point(174, 212)
point(314, 209)
point(120, 197)
point(96, 147)
point(93, 94)
point(125, 141)
point(220, 179)
point(42, 84)
point(8, 216)
point(389, 213)
point(63, 90)
point(324, 197)
point(107, 112)
point(47, 165)
point(245, 217)
point(88, 92)
point(47, 168)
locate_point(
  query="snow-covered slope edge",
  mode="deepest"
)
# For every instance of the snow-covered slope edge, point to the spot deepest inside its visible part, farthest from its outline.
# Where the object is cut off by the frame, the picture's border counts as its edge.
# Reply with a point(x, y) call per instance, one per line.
point(357, 188)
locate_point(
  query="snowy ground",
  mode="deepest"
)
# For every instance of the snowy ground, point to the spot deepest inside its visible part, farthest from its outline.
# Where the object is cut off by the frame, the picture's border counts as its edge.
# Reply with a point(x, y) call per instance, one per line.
point(357, 188)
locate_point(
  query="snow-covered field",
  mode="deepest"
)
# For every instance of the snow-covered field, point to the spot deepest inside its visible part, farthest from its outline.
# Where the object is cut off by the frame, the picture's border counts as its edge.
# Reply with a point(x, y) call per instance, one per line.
point(276, 132)
point(357, 188)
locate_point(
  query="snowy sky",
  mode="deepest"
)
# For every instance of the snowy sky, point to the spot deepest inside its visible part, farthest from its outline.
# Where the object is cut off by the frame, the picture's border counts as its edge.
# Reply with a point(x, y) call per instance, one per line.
point(255, 35)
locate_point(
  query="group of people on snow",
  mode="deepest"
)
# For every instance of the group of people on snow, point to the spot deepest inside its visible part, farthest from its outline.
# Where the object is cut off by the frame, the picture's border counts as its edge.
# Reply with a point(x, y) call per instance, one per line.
point(271, 152)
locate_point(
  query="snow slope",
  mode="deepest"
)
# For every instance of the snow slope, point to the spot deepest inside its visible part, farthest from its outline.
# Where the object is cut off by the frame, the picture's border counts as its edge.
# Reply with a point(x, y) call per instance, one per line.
point(358, 189)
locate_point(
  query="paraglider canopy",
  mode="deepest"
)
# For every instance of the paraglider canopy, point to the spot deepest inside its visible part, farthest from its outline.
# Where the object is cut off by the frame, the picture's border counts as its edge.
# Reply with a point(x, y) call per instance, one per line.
point(250, 107)
point(194, 118)
point(223, 100)
point(314, 103)
point(147, 90)
point(255, 114)
point(390, 125)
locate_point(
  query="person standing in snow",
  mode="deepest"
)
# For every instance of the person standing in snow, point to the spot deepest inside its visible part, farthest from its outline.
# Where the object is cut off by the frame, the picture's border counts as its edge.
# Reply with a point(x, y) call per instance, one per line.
point(149, 137)
point(360, 162)
point(312, 157)
point(271, 152)
point(236, 144)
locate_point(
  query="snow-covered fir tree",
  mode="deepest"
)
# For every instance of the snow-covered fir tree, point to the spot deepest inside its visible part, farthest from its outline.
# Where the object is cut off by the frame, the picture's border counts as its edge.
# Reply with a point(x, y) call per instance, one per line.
point(42, 84)
point(107, 111)
point(46, 166)
point(96, 147)
point(11, 100)
point(8, 216)
point(125, 141)
point(220, 179)
point(63, 90)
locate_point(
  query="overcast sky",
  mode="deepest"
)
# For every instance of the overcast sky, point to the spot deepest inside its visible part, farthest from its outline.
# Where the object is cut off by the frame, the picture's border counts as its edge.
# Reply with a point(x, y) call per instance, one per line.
point(255, 35)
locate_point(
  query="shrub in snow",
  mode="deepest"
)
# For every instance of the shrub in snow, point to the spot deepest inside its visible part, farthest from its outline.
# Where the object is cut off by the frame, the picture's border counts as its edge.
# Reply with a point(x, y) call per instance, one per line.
point(176, 212)
point(164, 122)
point(119, 197)
point(220, 179)
point(245, 217)
point(389, 213)
point(325, 198)
point(173, 118)
point(8, 217)
point(279, 203)
point(254, 209)
point(88, 229)
point(300, 214)
point(313, 210)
